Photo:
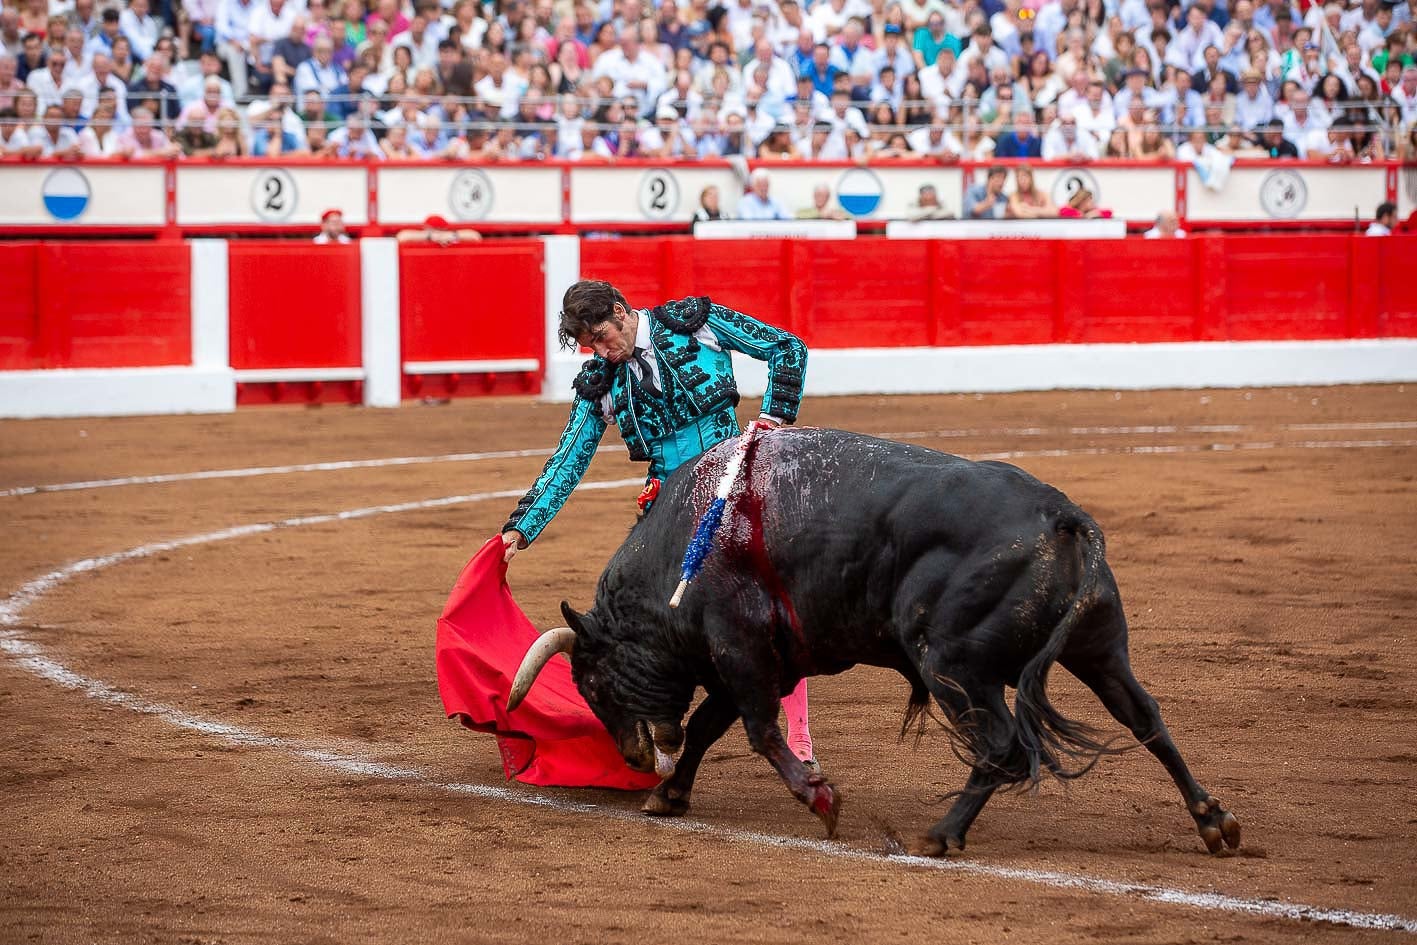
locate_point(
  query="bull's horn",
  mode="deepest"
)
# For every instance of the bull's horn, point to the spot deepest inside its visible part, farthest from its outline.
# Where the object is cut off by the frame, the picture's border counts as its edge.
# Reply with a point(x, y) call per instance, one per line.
point(557, 640)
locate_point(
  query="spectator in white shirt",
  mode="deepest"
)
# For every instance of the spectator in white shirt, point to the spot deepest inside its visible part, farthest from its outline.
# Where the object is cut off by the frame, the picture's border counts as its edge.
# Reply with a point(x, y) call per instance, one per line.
point(1375, 34)
point(935, 81)
point(54, 138)
point(76, 47)
point(141, 27)
point(14, 131)
point(421, 39)
point(983, 51)
point(780, 79)
point(320, 72)
point(757, 204)
point(1302, 124)
point(1189, 45)
point(850, 54)
point(1253, 106)
point(331, 229)
point(827, 18)
point(208, 67)
point(271, 21)
point(934, 140)
point(1167, 227)
point(498, 90)
point(1383, 220)
point(9, 81)
point(1358, 18)
point(355, 140)
point(893, 52)
point(233, 33)
point(48, 83)
point(430, 142)
point(634, 70)
point(1404, 96)
point(99, 139)
point(11, 39)
point(845, 115)
point(101, 78)
point(1065, 141)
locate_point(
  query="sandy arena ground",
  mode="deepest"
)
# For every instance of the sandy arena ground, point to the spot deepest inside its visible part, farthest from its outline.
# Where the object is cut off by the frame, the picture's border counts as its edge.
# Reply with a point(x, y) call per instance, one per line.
point(240, 740)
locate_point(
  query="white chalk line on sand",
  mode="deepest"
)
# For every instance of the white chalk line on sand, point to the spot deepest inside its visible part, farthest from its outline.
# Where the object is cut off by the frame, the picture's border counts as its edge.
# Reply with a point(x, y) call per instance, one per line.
point(333, 466)
point(31, 658)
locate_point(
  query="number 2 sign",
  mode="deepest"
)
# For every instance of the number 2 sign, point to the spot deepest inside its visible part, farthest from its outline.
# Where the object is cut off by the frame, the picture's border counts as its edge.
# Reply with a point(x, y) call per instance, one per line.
point(659, 194)
point(273, 194)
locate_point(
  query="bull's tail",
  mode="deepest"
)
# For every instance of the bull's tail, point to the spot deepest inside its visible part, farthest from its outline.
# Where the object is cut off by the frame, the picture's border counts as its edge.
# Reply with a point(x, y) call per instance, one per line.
point(1052, 742)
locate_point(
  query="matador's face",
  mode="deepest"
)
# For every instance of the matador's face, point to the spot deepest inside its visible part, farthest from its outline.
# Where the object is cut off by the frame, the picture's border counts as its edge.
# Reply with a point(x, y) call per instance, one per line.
point(614, 338)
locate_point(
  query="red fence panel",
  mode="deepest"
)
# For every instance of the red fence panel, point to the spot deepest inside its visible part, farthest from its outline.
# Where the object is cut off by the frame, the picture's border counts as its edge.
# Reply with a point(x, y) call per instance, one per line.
point(1280, 289)
point(476, 302)
point(745, 275)
point(1007, 292)
point(1396, 306)
point(95, 305)
point(294, 305)
point(19, 307)
point(1143, 293)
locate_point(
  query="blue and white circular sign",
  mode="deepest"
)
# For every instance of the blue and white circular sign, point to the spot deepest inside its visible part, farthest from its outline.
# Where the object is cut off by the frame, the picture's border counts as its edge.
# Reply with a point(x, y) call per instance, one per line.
point(66, 193)
point(859, 191)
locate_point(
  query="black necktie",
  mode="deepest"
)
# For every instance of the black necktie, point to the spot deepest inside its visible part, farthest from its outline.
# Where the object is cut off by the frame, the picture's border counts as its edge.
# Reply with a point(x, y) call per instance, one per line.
point(646, 373)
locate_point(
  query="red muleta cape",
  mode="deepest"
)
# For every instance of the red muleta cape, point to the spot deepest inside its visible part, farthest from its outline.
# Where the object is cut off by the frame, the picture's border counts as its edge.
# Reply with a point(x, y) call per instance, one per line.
point(553, 739)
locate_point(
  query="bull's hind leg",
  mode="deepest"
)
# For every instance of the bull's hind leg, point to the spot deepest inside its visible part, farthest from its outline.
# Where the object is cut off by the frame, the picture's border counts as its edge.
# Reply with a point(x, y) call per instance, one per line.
point(707, 724)
point(985, 733)
point(1109, 675)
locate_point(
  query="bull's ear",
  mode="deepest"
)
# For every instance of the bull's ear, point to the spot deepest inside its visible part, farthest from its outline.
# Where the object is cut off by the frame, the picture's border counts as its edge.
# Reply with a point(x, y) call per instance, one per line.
point(573, 620)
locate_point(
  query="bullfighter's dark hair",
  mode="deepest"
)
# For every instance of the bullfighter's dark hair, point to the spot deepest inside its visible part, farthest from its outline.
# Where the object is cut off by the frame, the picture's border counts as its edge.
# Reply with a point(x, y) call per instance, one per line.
point(586, 304)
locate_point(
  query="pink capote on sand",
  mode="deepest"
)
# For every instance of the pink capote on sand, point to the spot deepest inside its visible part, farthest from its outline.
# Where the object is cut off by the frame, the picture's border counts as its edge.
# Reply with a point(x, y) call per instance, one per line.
point(553, 739)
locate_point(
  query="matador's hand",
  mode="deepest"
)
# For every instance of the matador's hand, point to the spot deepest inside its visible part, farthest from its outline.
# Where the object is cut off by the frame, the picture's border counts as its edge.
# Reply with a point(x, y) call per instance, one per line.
point(763, 425)
point(512, 541)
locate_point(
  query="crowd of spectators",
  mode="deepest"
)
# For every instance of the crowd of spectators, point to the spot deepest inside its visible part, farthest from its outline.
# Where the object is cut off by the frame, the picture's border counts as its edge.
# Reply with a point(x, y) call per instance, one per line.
point(873, 80)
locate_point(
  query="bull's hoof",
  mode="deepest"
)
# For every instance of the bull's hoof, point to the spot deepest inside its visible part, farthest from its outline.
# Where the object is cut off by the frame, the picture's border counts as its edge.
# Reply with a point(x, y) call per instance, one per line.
point(826, 804)
point(931, 845)
point(666, 802)
point(1218, 828)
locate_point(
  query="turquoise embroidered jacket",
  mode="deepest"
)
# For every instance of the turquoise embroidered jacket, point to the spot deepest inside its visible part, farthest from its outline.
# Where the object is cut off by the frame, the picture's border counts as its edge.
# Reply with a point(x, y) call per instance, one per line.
point(692, 413)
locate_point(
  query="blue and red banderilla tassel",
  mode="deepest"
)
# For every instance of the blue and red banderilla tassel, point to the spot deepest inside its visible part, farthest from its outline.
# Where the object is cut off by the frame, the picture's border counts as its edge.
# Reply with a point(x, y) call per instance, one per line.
point(702, 542)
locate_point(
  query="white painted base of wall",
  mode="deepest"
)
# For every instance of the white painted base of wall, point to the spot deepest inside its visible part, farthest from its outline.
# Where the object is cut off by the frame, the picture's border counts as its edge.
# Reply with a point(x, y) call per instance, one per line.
point(116, 392)
point(1071, 367)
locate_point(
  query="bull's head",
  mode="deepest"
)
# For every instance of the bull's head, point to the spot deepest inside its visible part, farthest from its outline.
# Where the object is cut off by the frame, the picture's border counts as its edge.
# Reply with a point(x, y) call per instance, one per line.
point(617, 680)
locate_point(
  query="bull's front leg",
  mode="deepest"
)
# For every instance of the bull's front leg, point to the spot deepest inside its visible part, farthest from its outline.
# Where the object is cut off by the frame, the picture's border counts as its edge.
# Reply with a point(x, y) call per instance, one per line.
point(745, 661)
point(706, 725)
point(809, 787)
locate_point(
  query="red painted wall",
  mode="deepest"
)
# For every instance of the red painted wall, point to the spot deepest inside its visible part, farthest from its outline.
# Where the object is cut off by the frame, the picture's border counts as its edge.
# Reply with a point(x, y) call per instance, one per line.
point(294, 304)
point(884, 293)
point(476, 302)
point(95, 305)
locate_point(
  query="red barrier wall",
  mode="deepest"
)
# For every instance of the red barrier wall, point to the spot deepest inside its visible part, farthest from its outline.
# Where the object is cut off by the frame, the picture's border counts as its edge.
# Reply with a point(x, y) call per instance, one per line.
point(90, 305)
point(19, 307)
point(885, 293)
point(294, 305)
point(479, 302)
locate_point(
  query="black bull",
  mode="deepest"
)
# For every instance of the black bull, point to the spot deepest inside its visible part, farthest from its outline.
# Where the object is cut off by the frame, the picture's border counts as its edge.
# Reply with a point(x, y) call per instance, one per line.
point(841, 549)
